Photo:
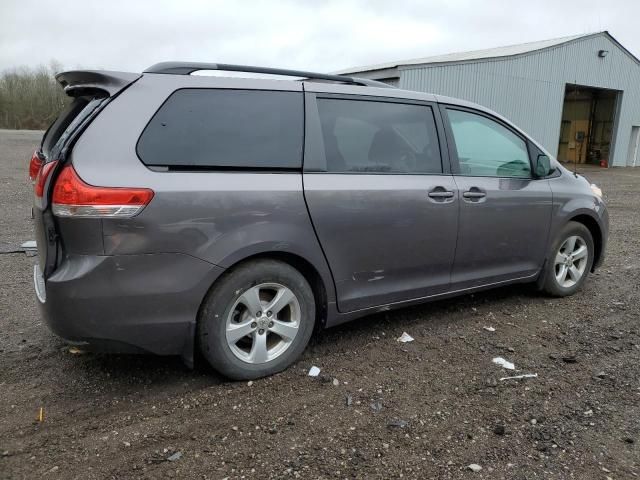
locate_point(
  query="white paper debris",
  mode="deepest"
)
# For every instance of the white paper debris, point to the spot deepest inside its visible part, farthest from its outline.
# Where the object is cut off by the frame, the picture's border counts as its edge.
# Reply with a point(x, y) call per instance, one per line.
point(489, 329)
point(474, 467)
point(314, 371)
point(405, 338)
point(517, 377)
point(504, 363)
point(29, 245)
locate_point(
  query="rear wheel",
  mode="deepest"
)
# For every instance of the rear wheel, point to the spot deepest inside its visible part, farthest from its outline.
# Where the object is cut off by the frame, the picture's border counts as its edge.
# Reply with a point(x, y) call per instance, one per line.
point(256, 320)
point(569, 261)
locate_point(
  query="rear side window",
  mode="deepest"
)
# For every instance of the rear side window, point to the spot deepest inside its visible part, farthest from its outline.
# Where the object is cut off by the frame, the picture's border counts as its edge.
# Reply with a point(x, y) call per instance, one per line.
point(379, 137)
point(486, 148)
point(214, 128)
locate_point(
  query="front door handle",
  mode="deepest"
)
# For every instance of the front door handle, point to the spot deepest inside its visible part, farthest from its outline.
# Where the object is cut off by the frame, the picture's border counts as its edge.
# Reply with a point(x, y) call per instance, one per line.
point(441, 195)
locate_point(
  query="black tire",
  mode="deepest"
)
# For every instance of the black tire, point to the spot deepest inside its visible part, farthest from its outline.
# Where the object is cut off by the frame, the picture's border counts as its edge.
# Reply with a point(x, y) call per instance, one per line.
point(551, 284)
point(212, 321)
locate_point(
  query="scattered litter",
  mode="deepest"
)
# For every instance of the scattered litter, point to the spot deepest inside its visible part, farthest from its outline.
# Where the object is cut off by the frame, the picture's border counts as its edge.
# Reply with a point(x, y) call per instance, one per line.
point(588, 413)
point(314, 371)
point(175, 456)
point(348, 400)
point(489, 329)
point(126, 444)
point(504, 363)
point(376, 406)
point(518, 377)
point(29, 248)
point(397, 423)
point(249, 383)
point(405, 338)
point(569, 359)
point(41, 414)
point(336, 382)
point(474, 467)
point(29, 245)
point(499, 430)
point(76, 351)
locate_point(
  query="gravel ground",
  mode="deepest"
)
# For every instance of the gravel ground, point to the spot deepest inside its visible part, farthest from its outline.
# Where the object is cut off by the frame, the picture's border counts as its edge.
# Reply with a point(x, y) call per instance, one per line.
point(380, 409)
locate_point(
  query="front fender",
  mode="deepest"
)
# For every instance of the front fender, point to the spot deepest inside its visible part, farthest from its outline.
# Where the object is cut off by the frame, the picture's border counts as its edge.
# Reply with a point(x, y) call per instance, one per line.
point(579, 204)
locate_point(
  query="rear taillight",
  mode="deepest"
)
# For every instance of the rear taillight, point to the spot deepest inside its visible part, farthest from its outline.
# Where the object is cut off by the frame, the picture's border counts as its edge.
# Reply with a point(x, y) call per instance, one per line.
point(72, 197)
point(41, 178)
point(34, 166)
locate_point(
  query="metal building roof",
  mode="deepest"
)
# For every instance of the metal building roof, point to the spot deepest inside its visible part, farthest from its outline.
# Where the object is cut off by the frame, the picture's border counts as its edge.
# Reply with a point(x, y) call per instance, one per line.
point(497, 52)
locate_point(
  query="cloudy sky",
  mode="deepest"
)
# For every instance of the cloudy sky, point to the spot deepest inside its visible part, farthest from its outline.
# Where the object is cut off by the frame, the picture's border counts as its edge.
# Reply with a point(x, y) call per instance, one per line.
point(313, 34)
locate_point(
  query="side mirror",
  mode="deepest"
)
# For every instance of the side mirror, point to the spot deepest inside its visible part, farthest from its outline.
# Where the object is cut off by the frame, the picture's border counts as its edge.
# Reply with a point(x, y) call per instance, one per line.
point(542, 166)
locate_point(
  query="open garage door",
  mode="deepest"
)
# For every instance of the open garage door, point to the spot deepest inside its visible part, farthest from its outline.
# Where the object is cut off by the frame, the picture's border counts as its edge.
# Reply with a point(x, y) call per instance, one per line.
point(588, 119)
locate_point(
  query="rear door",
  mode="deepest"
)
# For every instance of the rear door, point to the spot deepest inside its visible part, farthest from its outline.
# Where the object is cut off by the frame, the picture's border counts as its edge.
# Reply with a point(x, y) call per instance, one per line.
point(381, 197)
point(505, 212)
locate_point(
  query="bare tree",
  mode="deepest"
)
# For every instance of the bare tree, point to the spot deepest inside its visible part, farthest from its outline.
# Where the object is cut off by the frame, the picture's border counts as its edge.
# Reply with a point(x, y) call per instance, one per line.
point(30, 98)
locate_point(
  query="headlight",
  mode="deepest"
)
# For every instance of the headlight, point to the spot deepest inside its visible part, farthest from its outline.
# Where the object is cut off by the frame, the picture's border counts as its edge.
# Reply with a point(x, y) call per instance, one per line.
point(597, 191)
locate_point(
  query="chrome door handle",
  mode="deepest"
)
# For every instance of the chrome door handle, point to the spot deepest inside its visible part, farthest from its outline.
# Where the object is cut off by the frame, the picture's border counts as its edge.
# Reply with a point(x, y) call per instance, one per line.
point(441, 194)
point(473, 194)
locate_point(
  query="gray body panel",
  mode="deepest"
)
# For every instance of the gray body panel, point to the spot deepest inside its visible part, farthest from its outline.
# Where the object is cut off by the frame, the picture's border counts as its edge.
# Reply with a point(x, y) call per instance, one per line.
point(129, 302)
point(376, 241)
point(386, 241)
point(572, 198)
point(503, 235)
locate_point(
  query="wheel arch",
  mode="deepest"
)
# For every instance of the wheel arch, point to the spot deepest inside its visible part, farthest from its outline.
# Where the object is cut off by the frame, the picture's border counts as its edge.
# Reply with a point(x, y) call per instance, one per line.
point(596, 233)
point(304, 266)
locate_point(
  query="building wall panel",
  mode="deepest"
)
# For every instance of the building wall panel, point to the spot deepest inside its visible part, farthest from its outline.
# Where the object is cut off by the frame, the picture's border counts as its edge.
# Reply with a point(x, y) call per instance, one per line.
point(529, 89)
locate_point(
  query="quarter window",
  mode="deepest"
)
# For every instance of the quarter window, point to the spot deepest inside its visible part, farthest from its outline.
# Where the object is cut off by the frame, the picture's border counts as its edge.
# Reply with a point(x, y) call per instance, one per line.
point(378, 137)
point(220, 128)
point(486, 148)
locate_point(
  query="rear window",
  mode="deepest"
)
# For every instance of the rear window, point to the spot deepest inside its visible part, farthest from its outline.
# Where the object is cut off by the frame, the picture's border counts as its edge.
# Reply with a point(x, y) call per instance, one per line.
point(218, 128)
point(65, 124)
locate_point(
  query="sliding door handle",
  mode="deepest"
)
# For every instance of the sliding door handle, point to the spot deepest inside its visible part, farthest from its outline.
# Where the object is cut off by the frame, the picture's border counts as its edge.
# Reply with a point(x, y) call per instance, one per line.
point(441, 194)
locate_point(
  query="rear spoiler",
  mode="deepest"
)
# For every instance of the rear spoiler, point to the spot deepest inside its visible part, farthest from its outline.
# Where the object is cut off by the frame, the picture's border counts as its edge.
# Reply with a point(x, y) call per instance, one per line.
point(82, 82)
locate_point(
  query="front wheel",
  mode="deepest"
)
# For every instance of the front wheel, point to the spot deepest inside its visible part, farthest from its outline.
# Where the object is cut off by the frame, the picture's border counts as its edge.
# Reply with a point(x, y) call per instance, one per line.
point(256, 320)
point(569, 261)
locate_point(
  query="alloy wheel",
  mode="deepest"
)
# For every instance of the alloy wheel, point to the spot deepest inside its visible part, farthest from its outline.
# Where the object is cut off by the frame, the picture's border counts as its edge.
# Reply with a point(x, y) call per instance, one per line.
point(571, 261)
point(263, 323)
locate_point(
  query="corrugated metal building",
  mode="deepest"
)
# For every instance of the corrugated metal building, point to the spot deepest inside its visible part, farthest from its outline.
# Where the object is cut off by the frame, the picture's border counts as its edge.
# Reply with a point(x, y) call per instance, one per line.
point(579, 96)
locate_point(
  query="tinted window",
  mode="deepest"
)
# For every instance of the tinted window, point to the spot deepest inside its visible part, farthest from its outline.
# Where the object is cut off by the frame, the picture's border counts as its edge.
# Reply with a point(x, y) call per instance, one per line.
point(367, 136)
point(225, 128)
point(486, 148)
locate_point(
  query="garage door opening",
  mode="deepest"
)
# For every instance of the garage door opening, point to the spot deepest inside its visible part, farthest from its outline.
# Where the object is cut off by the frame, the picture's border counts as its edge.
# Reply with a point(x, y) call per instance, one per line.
point(588, 119)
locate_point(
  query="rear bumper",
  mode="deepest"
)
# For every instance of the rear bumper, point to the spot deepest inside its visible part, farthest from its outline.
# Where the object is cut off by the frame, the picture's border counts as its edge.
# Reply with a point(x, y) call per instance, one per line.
point(127, 303)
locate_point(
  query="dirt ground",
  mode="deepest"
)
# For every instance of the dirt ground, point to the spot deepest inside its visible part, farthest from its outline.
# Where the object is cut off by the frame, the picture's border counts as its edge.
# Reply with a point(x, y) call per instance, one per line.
point(426, 409)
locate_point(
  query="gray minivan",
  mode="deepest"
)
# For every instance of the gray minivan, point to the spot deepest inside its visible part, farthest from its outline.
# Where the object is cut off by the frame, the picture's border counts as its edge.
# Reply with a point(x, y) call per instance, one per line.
point(178, 212)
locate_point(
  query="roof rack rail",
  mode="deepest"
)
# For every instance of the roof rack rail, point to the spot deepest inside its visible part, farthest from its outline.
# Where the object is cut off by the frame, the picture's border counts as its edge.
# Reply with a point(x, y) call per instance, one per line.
point(186, 68)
